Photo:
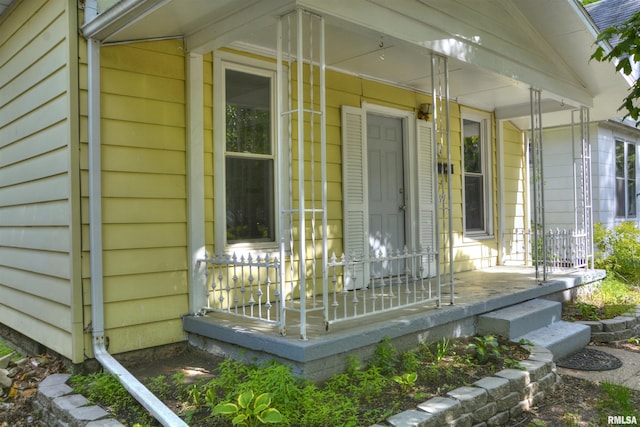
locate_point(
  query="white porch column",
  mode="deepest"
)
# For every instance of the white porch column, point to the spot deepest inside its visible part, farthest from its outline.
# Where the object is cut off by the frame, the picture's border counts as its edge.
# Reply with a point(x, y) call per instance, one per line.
point(195, 181)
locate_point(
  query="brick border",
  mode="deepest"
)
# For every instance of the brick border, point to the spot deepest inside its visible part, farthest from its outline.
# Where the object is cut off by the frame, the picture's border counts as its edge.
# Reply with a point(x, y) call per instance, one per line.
point(490, 401)
point(619, 328)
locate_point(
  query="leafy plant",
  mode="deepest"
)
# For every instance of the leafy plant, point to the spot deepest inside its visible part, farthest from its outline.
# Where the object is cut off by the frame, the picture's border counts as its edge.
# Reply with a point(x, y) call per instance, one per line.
point(386, 357)
point(634, 340)
point(249, 412)
point(104, 389)
point(485, 347)
point(439, 351)
point(406, 381)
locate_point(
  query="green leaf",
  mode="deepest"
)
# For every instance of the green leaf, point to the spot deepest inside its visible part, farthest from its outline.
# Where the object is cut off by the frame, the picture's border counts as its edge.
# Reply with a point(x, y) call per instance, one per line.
point(225, 408)
point(270, 416)
point(239, 420)
point(263, 399)
point(245, 398)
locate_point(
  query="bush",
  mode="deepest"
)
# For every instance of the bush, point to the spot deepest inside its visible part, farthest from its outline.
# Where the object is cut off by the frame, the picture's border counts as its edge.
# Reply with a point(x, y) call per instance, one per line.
point(618, 250)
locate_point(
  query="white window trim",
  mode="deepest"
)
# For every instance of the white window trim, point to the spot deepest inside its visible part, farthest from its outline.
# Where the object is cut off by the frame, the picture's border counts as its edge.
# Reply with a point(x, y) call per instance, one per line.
point(221, 61)
point(626, 143)
point(485, 128)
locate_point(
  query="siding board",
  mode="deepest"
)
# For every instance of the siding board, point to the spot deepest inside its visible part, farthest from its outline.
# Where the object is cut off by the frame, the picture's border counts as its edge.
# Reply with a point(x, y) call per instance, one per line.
point(44, 190)
point(45, 238)
point(55, 264)
point(43, 214)
point(46, 165)
point(45, 287)
point(47, 140)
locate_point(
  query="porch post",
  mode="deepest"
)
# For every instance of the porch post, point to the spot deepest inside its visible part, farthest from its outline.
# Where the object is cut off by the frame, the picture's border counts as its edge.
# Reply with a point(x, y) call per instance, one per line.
point(195, 182)
point(539, 240)
point(581, 150)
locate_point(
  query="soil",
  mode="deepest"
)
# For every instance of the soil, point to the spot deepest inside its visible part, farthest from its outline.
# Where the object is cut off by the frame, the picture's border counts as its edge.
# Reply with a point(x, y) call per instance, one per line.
point(575, 401)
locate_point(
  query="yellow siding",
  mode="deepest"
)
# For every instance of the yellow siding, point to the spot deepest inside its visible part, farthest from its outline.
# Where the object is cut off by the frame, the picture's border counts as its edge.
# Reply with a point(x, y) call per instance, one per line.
point(39, 211)
point(515, 173)
point(144, 195)
point(343, 89)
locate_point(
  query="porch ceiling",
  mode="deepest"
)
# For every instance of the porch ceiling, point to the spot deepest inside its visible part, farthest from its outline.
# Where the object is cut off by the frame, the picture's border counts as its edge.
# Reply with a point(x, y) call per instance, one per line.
point(497, 49)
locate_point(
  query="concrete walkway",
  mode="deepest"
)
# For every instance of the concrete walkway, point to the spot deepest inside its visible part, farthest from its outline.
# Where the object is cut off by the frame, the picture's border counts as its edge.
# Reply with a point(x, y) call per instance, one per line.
point(627, 375)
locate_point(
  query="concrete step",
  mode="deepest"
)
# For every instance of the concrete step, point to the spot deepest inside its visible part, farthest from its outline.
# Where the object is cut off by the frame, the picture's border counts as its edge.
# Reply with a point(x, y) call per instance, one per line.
point(560, 338)
point(520, 319)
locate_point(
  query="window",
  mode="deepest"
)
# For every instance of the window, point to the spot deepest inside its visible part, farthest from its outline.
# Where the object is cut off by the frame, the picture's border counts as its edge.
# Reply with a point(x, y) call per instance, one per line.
point(244, 149)
point(625, 180)
point(476, 176)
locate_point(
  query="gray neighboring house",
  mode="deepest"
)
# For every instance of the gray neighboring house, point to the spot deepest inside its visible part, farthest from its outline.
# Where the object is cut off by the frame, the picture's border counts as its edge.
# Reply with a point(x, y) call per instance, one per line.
point(615, 155)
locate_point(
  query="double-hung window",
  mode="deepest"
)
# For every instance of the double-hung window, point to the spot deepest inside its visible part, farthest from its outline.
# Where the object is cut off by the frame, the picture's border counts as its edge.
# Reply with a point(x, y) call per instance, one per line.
point(625, 180)
point(244, 155)
point(476, 176)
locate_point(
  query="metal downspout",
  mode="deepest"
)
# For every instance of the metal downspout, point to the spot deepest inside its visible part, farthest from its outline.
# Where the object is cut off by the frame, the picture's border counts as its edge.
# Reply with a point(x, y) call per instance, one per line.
point(147, 399)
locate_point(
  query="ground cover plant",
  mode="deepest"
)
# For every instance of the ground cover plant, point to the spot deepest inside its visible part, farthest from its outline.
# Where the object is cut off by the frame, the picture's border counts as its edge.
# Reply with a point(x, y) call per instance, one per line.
point(368, 392)
point(617, 252)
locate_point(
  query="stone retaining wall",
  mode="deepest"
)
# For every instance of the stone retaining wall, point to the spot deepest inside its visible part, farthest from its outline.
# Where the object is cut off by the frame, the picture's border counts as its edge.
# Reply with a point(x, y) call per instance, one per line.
point(61, 407)
point(490, 401)
point(619, 328)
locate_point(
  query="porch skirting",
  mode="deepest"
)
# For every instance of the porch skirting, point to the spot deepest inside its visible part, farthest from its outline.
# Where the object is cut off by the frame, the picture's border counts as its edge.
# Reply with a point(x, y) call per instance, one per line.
point(325, 353)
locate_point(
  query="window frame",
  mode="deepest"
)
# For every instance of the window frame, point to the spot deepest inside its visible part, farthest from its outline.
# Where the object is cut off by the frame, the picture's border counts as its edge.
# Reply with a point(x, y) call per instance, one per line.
point(484, 119)
point(221, 62)
point(626, 144)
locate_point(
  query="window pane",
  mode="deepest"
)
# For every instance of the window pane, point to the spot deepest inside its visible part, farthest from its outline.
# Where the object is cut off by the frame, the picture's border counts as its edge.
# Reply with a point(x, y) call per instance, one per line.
point(620, 159)
point(250, 210)
point(473, 203)
point(248, 116)
point(472, 147)
point(620, 199)
point(631, 194)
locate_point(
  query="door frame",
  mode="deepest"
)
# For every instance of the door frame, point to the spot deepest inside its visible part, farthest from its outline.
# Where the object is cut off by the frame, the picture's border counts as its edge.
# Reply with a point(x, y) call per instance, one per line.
point(408, 152)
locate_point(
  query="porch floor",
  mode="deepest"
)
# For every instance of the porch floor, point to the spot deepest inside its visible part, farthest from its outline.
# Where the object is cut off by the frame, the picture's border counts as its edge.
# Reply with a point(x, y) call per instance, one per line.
point(475, 292)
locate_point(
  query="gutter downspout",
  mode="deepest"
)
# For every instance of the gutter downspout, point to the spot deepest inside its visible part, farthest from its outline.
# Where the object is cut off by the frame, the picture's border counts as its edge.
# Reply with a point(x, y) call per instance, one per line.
point(147, 399)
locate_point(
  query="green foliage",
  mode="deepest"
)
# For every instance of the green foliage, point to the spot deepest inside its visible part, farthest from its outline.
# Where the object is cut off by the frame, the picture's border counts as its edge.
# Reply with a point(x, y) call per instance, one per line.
point(623, 53)
point(439, 350)
point(105, 390)
point(386, 357)
point(618, 250)
point(249, 412)
point(485, 347)
point(406, 381)
point(617, 399)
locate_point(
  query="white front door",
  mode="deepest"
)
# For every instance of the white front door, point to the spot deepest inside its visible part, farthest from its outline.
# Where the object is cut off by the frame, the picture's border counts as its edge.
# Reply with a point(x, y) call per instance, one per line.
point(386, 184)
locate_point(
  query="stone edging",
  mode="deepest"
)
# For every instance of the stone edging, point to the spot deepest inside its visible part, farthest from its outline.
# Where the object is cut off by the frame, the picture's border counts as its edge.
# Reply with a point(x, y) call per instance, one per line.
point(617, 329)
point(60, 407)
point(490, 401)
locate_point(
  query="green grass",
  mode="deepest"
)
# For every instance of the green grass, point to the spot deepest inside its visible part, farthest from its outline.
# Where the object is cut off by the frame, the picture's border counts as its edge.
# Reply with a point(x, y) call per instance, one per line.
point(613, 297)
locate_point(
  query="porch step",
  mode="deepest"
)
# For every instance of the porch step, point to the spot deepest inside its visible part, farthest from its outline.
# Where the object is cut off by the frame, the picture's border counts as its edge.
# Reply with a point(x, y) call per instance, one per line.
point(518, 320)
point(560, 338)
point(538, 321)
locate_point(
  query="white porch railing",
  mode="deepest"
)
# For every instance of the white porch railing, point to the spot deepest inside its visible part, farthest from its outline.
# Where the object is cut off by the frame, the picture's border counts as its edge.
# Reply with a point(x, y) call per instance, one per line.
point(245, 285)
point(398, 280)
point(566, 249)
point(249, 286)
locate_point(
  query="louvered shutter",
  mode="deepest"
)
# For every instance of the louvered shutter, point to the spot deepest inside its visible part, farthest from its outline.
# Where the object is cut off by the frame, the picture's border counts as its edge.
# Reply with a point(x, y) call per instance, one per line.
point(426, 194)
point(354, 192)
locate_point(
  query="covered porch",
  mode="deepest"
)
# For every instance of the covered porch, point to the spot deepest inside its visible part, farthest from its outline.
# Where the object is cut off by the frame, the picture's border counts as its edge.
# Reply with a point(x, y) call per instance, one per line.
point(442, 54)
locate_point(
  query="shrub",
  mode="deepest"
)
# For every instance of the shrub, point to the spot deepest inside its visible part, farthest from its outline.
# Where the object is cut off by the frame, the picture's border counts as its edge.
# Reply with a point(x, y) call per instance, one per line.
point(618, 250)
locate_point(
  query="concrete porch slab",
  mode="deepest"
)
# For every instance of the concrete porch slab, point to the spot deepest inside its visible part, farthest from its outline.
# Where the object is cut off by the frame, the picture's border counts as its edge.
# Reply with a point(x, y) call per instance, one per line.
point(325, 352)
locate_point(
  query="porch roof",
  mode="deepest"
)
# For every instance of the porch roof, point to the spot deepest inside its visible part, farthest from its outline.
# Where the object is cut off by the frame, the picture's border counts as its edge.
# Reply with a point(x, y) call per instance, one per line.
point(497, 50)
